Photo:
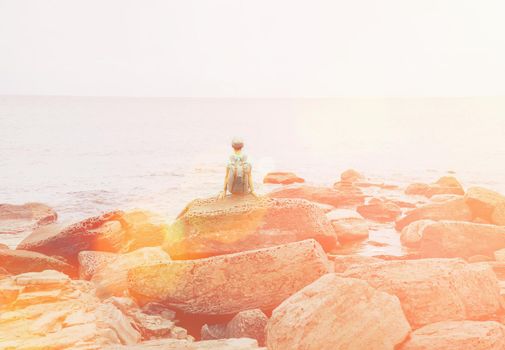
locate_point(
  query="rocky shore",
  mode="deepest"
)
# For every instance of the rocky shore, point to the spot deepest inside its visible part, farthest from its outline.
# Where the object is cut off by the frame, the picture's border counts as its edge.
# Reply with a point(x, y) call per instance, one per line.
point(283, 271)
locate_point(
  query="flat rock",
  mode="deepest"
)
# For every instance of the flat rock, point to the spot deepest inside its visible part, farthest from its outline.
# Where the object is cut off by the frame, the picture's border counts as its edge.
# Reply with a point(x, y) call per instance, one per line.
point(461, 239)
point(449, 210)
point(342, 262)
point(467, 335)
point(434, 290)
point(210, 227)
point(343, 195)
point(228, 284)
point(284, 178)
point(17, 218)
point(337, 313)
point(173, 344)
point(20, 261)
point(112, 232)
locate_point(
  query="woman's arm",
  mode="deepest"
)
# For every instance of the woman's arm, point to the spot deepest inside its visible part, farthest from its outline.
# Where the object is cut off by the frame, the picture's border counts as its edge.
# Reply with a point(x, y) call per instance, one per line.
point(251, 186)
point(225, 187)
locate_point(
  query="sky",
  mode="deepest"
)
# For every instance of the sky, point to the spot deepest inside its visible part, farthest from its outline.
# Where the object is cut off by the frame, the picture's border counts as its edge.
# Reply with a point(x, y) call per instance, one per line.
point(261, 48)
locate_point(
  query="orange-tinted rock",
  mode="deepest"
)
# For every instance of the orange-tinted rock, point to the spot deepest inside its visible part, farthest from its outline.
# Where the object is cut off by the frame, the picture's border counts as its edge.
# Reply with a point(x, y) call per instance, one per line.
point(461, 239)
point(483, 201)
point(444, 185)
point(112, 232)
point(351, 175)
point(455, 335)
point(413, 233)
point(498, 215)
point(380, 211)
point(91, 261)
point(433, 290)
point(210, 227)
point(248, 324)
point(337, 313)
point(283, 178)
point(350, 229)
point(342, 262)
point(479, 258)
point(342, 195)
point(3, 246)
point(227, 284)
point(449, 210)
point(21, 261)
point(417, 189)
point(22, 218)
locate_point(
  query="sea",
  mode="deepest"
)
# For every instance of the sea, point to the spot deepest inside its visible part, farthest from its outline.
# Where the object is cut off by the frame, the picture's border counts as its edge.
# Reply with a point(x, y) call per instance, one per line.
point(86, 155)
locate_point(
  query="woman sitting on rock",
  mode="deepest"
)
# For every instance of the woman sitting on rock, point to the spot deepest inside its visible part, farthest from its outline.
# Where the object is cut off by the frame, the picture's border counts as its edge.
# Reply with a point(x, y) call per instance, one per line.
point(238, 179)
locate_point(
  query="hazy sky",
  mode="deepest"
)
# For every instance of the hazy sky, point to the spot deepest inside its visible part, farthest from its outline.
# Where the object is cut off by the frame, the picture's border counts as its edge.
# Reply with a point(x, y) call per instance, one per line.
point(253, 48)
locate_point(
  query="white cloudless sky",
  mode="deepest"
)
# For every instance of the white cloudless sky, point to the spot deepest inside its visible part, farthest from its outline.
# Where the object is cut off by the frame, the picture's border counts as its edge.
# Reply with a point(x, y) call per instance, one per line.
point(260, 48)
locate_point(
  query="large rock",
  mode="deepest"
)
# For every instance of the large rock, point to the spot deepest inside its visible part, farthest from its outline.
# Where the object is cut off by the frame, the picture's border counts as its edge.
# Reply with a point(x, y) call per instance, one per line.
point(342, 195)
point(498, 215)
point(248, 324)
point(342, 262)
point(17, 218)
point(467, 335)
point(433, 290)
point(209, 227)
point(337, 313)
point(112, 232)
point(351, 175)
point(483, 201)
point(449, 210)
point(21, 261)
point(282, 178)
point(227, 284)
point(461, 239)
point(444, 185)
point(413, 233)
point(379, 210)
point(350, 229)
point(112, 277)
point(91, 261)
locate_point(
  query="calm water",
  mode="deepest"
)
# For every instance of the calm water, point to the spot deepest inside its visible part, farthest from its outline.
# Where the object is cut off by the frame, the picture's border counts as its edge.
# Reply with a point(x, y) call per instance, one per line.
point(83, 156)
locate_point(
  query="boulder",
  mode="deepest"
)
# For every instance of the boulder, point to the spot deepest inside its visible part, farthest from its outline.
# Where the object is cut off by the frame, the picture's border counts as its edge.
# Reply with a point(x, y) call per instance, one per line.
point(498, 215)
point(449, 210)
point(417, 189)
point(483, 201)
point(210, 227)
point(227, 284)
point(23, 218)
point(214, 331)
point(413, 233)
point(342, 262)
point(451, 335)
point(4, 246)
point(21, 261)
point(91, 261)
point(433, 290)
point(337, 313)
point(461, 239)
point(351, 229)
point(379, 210)
point(112, 278)
point(283, 178)
point(248, 324)
point(342, 195)
point(112, 232)
point(444, 185)
point(351, 175)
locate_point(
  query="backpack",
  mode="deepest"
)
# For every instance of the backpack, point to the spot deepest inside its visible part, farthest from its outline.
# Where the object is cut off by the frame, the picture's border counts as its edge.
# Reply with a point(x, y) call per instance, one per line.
point(238, 178)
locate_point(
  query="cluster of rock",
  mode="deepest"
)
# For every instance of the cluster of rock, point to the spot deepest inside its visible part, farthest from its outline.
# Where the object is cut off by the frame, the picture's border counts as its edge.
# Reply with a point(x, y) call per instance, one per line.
point(244, 273)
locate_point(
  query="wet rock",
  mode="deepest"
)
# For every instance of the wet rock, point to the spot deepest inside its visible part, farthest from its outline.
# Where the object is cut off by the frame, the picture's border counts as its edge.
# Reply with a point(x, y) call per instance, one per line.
point(228, 284)
point(91, 261)
point(433, 290)
point(112, 232)
point(248, 324)
point(468, 335)
point(20, 261)
point(215, 227)
point(412, 234)
point(17, 218)
point(342, 195)
point(461, 239)
point(337, 313)
point(283, 178)
point(483, 202)
point(342, 262)
point(449, 210)
point(112, 278)
point(380, 211)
